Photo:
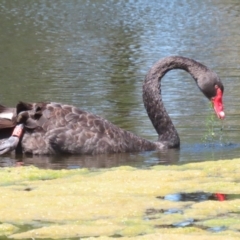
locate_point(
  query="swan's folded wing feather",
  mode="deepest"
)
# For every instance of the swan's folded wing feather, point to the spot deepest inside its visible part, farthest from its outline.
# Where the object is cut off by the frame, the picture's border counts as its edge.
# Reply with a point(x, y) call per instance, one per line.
point(7, 117)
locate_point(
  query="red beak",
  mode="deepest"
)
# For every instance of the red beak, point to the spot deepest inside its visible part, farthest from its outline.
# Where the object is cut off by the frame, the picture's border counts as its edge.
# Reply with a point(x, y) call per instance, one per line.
point(218, 105)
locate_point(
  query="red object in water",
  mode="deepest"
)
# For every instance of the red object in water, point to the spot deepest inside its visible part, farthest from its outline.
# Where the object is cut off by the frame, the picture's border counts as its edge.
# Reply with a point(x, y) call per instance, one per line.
point(220, 196)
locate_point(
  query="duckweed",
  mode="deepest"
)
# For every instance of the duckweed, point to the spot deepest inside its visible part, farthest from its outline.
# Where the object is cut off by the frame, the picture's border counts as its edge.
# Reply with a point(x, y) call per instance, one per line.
point(120, 202)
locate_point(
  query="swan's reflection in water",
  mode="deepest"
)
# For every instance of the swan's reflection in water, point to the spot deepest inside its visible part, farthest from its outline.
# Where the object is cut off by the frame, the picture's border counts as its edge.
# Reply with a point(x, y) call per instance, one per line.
point(139, 160)
point(187, 153)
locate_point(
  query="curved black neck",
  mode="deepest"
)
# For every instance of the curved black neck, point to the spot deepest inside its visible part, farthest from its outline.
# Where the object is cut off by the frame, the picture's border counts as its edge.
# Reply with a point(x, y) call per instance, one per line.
point(152, 99)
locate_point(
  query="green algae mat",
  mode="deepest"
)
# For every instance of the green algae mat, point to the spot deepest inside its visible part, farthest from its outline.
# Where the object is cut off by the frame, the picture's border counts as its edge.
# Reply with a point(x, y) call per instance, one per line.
point(123, 202)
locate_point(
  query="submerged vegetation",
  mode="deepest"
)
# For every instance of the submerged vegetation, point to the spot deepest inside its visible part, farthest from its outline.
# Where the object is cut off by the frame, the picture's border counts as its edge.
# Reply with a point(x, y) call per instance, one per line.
point(121, 202)
point(211, 135)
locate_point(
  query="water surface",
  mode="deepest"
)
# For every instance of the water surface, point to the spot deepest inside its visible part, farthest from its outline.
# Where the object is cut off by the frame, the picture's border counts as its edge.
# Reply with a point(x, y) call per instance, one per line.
point(95, 54)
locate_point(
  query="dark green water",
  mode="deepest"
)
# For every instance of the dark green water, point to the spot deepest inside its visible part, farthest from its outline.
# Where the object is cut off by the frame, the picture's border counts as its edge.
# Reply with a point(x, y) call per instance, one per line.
point(95, 54)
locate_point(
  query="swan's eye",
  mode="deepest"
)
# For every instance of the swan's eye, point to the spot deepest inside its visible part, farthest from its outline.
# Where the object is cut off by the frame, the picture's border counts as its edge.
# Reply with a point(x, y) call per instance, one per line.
point(217, 86)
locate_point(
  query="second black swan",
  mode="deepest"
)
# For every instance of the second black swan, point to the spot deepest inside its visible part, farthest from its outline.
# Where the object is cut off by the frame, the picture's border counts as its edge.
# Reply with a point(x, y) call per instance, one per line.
point(54, 128)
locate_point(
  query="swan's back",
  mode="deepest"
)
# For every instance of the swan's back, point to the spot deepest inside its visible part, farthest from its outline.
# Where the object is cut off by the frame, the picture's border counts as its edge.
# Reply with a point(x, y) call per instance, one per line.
point(52, 128)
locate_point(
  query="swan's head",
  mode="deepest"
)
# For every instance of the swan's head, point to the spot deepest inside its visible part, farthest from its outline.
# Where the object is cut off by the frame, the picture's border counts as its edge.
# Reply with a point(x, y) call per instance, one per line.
point(213, 89)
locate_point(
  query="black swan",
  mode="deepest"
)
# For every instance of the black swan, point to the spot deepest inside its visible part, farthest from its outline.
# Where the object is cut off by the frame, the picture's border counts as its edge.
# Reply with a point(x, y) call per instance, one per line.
point(53, 128)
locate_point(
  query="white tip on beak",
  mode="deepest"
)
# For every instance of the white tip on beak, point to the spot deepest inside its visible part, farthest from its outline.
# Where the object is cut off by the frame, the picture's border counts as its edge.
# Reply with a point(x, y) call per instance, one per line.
point(222, 114)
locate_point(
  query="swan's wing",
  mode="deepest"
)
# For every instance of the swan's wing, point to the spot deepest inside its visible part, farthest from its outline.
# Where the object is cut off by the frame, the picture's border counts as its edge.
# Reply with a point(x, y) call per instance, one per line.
point(56, 128)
